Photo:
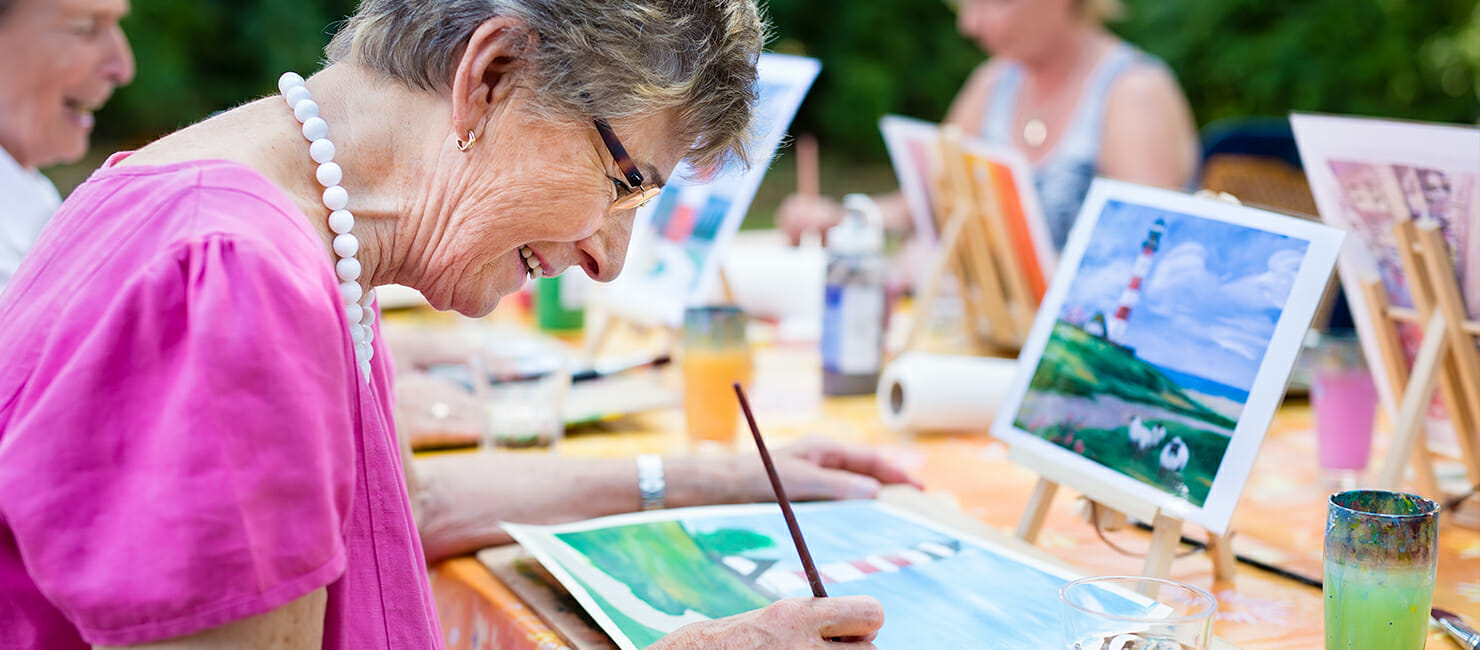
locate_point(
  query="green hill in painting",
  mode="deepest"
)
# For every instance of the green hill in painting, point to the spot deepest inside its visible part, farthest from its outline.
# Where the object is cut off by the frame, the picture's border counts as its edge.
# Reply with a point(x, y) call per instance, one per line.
point(668, 569)
point(1076, 362)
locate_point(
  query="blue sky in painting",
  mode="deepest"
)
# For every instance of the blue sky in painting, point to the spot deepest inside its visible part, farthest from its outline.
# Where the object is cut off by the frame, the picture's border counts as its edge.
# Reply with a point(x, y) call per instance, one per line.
point(975, 599)
point(1208, 306)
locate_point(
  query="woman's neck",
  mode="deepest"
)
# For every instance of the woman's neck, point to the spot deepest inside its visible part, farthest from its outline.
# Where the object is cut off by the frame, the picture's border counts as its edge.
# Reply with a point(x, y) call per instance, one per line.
point(383, 135)
point(1075, 49)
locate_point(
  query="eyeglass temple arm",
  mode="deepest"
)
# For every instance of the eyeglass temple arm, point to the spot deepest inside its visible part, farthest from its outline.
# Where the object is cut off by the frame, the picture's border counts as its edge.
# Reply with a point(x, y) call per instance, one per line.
point(619, 154)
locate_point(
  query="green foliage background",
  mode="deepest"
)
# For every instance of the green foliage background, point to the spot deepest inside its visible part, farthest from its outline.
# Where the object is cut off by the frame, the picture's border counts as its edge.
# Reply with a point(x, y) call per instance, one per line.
point(1393, 58)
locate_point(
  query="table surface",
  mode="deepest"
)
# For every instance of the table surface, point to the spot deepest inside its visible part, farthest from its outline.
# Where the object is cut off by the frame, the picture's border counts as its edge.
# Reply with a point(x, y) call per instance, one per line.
point(1280, 520)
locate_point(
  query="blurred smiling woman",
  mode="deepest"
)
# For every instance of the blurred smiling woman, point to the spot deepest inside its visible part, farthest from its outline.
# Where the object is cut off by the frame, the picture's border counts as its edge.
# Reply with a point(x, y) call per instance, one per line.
point(196, 446)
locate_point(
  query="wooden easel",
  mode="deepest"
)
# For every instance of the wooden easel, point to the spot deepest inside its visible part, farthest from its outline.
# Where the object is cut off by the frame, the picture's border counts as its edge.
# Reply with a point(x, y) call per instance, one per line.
point(993, 291)
point(1447, 359)
point(1021, 296)
point(1114, 507)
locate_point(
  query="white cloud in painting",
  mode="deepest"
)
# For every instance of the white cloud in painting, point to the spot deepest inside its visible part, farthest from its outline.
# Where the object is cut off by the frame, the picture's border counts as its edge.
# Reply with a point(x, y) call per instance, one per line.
point(1212, 325)
point(1246, 337)
point(1269, 289)
point(1098, 288)
point(1178, 279)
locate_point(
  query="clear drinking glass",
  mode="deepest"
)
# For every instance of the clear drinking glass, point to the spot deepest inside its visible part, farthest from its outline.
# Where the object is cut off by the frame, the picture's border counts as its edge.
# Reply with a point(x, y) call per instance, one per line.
point(1379, 569)
point(523, 410)
point(1344, 399)
point(1135, 613)
point(715, 356)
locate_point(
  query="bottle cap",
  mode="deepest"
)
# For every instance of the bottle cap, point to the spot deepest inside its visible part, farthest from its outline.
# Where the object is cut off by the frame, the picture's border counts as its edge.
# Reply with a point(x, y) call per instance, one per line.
point(861, 232)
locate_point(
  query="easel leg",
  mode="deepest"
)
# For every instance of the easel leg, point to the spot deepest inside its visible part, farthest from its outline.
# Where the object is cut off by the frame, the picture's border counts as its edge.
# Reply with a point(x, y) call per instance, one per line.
point(1166, 534)
point(931, 288)
point(1390, 349)
point(1032, 521)
point(1416, 399)
point(1220, 549)
point(1110, 519)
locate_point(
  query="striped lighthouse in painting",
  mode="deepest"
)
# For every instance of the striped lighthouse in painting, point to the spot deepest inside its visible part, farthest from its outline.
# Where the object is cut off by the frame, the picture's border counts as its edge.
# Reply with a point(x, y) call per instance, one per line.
point(765, 576)
point(1132, 294)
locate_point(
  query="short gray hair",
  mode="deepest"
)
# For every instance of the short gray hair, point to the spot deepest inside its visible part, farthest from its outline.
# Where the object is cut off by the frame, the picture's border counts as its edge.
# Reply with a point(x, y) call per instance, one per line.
point(592, 58)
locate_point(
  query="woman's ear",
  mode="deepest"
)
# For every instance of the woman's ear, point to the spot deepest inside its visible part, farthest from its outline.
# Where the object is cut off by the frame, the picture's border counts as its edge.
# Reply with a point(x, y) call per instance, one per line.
point(487, 72)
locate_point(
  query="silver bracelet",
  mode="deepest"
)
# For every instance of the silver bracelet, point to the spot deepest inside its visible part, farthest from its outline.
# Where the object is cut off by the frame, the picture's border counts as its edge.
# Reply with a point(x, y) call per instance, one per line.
point(650, 483)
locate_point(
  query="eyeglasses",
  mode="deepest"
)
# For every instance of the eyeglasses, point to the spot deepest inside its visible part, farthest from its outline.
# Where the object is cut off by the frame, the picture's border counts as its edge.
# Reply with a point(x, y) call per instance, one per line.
point(637, 194)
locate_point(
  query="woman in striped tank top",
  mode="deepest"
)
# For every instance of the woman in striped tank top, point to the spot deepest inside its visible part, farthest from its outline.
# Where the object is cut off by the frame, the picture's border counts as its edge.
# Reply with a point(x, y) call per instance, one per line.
point(1071, 96)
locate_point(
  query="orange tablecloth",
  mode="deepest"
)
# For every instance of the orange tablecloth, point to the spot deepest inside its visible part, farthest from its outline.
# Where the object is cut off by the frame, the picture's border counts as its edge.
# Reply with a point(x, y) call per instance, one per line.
point(1280, 520)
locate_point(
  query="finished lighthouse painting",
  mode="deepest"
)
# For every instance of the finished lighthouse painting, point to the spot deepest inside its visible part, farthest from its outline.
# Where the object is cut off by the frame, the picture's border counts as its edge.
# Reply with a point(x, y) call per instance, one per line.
point(1163, 346)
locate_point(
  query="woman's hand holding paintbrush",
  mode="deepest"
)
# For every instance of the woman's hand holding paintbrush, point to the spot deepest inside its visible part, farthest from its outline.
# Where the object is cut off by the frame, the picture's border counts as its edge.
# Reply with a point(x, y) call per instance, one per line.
point(870, 617)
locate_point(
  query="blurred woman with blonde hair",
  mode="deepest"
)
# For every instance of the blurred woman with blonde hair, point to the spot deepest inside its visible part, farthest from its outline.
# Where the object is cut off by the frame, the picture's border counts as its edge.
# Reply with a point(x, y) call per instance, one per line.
point(1074, 98)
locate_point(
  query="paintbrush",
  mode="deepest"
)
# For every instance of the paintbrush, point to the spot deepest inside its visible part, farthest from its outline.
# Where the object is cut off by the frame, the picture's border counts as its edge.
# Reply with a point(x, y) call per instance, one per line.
point(1461, 632)
point(813, 578)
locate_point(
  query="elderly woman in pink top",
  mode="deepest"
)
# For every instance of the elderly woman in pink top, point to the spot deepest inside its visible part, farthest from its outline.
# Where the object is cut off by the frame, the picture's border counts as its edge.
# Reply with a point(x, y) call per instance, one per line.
point(196, 447)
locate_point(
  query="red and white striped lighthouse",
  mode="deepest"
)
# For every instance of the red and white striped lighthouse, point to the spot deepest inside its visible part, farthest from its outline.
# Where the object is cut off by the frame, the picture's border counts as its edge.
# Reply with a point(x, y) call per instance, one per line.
point(1132, 294)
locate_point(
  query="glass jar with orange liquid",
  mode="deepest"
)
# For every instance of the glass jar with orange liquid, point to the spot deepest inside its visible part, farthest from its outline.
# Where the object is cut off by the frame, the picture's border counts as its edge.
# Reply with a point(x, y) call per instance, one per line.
point(715, 356)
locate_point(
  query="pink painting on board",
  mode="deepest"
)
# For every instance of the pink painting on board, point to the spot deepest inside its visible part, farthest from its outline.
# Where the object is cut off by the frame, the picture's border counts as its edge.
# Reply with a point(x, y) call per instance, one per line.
point(1372, 196)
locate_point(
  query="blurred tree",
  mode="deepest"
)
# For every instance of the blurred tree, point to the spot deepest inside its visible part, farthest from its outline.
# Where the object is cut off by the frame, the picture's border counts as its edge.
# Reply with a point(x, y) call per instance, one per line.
point(1414, 60)
point(878, 57)
point(1389, 58)
point(196, 57)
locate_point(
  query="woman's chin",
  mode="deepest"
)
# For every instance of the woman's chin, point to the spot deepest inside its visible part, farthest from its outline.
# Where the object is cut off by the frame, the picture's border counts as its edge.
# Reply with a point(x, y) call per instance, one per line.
point(474, 304)
point(481, 311)
point(481, 301)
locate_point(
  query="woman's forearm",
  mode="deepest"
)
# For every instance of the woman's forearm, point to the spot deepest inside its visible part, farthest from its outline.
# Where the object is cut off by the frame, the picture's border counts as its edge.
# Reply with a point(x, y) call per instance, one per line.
point(463, 497)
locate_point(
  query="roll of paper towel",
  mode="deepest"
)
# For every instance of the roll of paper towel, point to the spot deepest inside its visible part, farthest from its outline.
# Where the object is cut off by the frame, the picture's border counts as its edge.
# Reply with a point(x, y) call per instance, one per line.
point(939, 392)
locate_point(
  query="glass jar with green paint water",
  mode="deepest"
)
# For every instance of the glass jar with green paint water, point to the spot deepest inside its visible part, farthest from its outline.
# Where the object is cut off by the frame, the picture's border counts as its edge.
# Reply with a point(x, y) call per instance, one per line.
point(1379, 569)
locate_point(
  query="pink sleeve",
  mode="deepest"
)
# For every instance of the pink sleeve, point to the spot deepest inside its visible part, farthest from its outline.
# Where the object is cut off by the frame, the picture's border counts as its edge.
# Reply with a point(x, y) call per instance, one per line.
point(184, 456)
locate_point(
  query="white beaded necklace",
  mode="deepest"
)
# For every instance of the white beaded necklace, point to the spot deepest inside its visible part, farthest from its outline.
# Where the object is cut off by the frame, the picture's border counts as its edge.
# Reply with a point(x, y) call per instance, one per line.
point(357, 302)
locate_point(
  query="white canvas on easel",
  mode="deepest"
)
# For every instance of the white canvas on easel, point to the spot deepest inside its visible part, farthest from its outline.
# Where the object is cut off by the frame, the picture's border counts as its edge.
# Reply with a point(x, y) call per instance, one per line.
point(1161, 352)
point(678, 240)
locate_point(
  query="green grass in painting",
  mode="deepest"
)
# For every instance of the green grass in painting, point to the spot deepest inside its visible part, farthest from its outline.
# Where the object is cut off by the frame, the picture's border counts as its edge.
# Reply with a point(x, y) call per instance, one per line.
point(667, 569)
point(1112, 448)
point(1076, 362)
point(1080, 364)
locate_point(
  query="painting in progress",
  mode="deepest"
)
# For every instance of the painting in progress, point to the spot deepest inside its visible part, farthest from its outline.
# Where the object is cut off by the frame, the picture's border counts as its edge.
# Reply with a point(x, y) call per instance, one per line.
point(1367, 174)
point(1169, 336)
point(1004, 178)
point(678, 239)
point(646, 574)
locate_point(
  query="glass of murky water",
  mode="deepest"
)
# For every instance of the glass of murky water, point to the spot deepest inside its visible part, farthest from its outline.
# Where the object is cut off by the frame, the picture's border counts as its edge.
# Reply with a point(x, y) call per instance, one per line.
point(1135, 613)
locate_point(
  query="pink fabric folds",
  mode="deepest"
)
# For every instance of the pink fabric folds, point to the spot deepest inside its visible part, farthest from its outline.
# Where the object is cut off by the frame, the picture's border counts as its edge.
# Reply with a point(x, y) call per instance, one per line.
point(184, 440)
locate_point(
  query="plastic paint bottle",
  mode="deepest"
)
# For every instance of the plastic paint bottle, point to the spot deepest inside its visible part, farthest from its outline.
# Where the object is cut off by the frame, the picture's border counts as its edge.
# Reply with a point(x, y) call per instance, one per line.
point(854, 303)
point(560, 302)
